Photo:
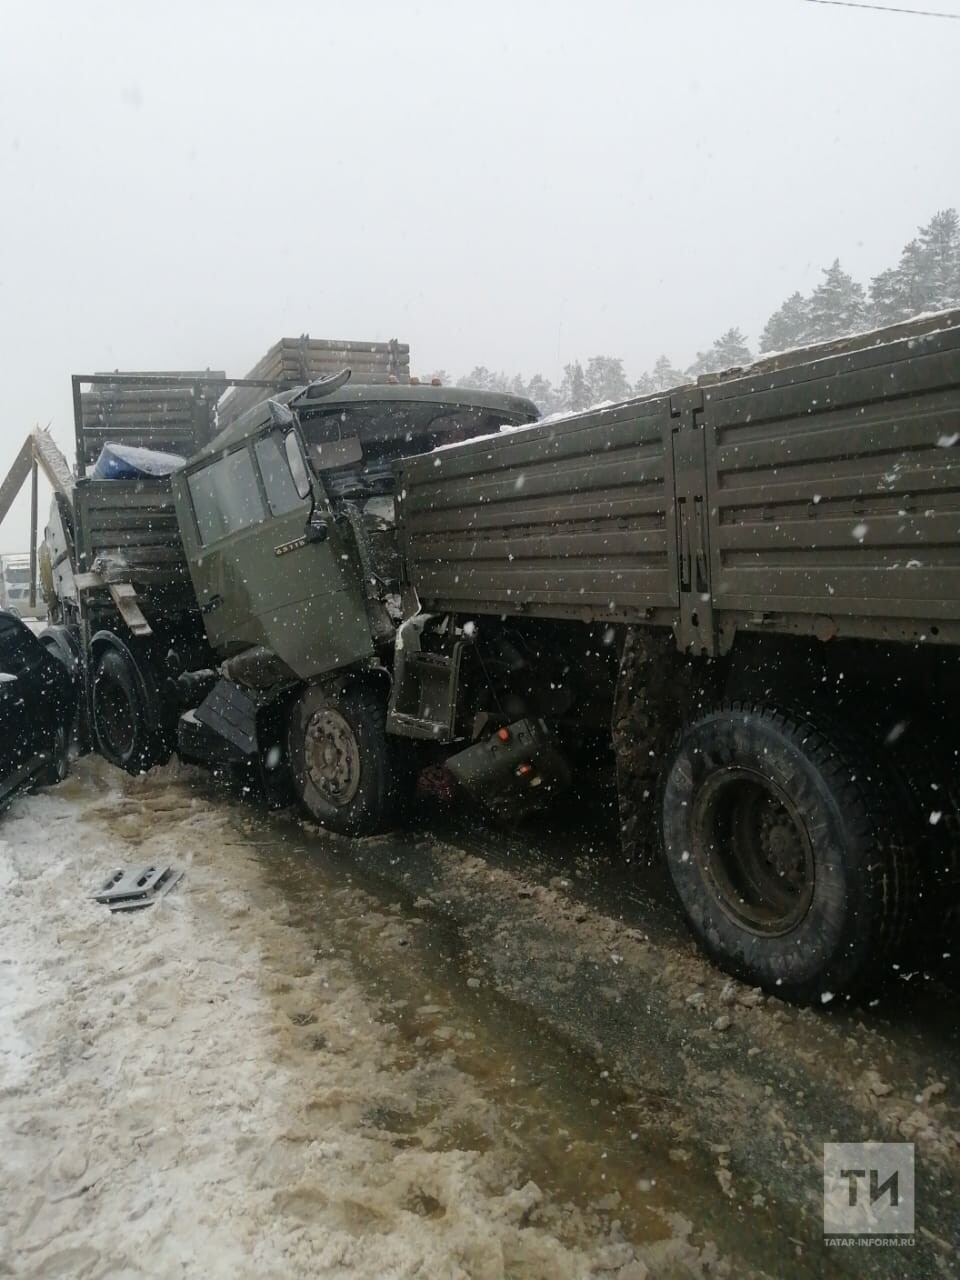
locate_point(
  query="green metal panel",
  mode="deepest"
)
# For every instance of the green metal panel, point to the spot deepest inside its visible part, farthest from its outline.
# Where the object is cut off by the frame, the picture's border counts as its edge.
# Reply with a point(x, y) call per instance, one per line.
point(835, 485)
point(817, 491)
point(569, 517)
point(129, 523)
point(127, 531)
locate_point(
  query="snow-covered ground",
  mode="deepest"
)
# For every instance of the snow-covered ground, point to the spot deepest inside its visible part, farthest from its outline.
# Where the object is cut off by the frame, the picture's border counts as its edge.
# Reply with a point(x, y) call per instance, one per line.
point(470, 1056)
point(190, 1091)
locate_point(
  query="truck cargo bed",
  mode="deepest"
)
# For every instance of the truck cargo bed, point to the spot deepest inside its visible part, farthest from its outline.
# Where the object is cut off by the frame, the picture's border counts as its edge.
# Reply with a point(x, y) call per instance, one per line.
point(816, 492)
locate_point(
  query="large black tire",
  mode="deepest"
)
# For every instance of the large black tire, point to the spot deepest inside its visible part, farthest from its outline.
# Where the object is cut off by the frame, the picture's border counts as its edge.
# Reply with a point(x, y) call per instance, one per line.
point(63, 644)
point(122, 726)
point(787, 853)
point(345, 767)
point(926, 761)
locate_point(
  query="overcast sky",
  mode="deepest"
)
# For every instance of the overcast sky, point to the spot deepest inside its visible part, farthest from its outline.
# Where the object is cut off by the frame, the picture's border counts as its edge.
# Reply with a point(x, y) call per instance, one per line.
point(515, 185)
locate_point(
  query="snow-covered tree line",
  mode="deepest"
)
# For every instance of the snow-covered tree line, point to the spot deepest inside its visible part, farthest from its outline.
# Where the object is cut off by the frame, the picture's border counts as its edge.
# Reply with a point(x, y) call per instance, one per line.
point(927, 278)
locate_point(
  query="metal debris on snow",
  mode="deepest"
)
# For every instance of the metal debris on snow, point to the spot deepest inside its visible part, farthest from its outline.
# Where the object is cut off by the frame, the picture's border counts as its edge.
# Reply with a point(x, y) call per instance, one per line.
point(134, 888)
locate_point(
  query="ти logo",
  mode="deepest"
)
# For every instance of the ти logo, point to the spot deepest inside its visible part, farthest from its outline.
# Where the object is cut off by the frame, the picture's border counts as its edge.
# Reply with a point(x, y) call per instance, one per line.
point(868, 1188)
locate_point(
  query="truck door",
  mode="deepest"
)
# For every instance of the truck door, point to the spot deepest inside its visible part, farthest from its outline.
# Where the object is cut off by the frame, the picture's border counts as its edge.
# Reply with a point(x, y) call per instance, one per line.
point(263, 578)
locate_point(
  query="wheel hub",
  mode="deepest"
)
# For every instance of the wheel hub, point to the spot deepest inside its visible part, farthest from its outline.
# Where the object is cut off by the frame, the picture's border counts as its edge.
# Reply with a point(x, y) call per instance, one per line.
point(332, 756)
point(781, 844)
point(755, 850)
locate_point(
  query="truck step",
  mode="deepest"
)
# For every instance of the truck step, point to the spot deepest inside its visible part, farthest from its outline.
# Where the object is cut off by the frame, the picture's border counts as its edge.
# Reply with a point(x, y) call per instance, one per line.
point(423, 702)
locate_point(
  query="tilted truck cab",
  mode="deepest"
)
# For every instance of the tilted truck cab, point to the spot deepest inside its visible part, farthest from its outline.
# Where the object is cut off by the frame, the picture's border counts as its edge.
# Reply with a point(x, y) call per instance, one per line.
point(263, 577)
point(288, 522)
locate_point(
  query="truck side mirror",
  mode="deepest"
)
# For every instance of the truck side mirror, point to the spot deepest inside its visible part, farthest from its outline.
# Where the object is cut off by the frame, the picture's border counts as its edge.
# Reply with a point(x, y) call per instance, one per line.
point(297, 464)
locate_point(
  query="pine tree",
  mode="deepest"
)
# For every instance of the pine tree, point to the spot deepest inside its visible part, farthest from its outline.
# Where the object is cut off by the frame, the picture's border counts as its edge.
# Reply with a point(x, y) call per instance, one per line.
point(789, 326)
point(900, 291)
point(543, 394)
point(666, 376)
point(480, 378)
point(662, 377)
point(730, 351)
point(606, 380)
point(887, 303)
point(574, 392)
point(927, 277)
point(837, 305)
point(704, 363)
point(940, 248)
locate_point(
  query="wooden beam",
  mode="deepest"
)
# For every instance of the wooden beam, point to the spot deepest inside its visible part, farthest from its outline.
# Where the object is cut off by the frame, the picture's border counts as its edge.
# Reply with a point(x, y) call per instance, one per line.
point(34, 469)
point(13, 480)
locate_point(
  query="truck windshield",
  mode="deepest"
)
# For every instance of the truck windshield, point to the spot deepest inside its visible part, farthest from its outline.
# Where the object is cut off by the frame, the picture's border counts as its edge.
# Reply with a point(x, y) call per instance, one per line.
point(225, 496)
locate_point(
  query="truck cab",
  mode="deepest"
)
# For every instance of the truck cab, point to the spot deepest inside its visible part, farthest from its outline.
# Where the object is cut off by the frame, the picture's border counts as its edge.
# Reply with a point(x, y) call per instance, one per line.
point(289, 525)
point(288, 521)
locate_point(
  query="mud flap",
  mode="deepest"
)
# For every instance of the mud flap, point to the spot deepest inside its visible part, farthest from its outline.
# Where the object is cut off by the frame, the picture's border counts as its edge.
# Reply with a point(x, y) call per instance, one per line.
point(238, 727)
point(231, 712)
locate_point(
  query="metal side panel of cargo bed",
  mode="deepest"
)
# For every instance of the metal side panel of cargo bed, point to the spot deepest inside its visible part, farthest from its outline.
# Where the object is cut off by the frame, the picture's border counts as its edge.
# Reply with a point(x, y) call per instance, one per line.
point(815, 492)
point(567, 519)
point(127, 533)
point(834, 489)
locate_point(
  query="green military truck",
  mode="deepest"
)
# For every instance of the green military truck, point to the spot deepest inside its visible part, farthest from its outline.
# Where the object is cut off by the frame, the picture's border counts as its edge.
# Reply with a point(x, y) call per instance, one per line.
point(117, 561)
point(748, 586)
point(770, 563)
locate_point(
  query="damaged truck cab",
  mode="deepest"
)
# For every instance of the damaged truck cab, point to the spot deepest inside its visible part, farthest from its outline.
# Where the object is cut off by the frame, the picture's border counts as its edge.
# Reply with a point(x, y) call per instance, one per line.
point(289, 528)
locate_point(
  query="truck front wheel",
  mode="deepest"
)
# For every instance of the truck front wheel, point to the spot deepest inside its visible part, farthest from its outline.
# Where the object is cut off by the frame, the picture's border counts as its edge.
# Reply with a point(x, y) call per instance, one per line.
point(122, 729)
point(343, 762)
point(786, 852)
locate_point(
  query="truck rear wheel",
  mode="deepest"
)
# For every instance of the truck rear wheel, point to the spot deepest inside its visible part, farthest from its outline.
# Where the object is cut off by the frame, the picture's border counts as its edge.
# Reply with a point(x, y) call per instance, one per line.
point(786, 852)
point(122, 729)
point(343, 762)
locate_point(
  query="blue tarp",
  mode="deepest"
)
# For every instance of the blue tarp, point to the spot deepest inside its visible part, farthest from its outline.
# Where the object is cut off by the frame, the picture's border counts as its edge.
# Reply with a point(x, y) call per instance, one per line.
point(126, 462)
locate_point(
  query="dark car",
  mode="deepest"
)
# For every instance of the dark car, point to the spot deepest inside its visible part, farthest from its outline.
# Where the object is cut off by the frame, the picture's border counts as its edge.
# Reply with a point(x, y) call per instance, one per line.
point(38, 702)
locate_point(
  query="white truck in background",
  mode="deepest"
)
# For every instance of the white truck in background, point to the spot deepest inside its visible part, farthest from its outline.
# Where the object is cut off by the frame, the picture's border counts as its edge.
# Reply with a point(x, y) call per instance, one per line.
point(15, 587)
